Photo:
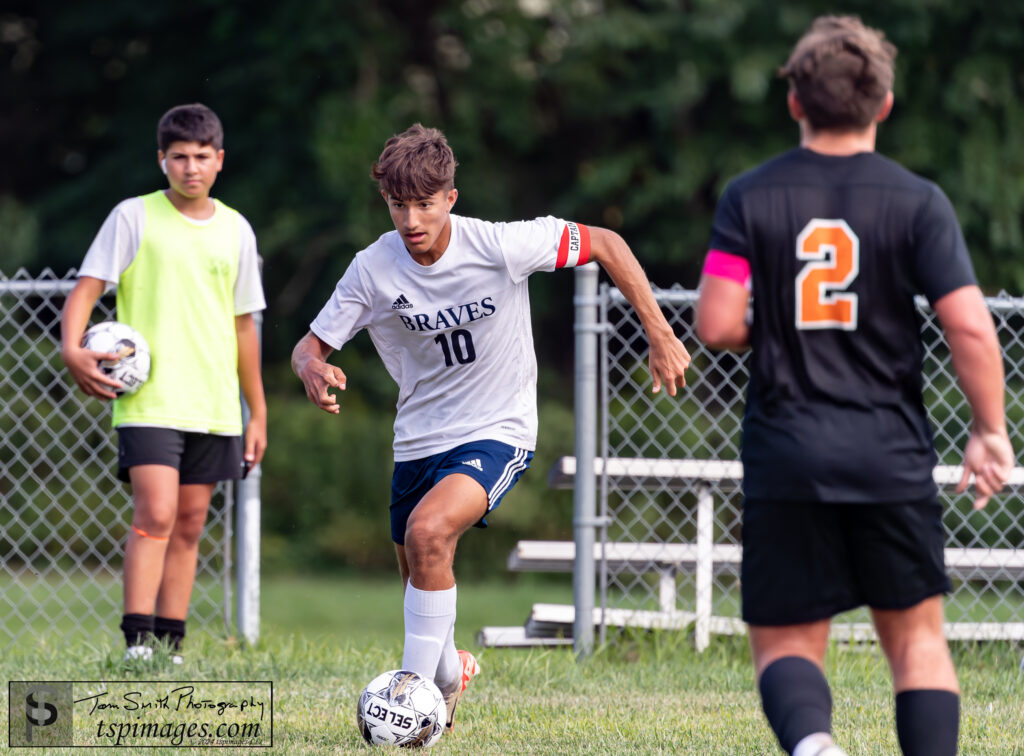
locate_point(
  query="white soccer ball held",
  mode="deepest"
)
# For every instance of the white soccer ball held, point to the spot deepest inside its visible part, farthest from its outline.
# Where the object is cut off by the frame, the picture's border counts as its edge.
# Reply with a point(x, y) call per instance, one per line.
point(132, 365)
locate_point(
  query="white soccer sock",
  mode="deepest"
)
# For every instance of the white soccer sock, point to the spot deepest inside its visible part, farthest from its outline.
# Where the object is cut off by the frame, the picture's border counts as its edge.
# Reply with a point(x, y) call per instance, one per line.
point(817, 743)
point(429, 622)
point(449, 668)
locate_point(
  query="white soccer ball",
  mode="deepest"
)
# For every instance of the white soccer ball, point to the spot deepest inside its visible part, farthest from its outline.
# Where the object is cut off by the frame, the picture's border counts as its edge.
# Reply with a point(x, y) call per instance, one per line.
point(400, 708)
point(132, 366)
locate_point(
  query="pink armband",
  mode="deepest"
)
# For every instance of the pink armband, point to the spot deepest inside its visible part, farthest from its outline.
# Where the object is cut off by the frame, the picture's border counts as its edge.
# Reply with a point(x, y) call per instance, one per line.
point(726, 265)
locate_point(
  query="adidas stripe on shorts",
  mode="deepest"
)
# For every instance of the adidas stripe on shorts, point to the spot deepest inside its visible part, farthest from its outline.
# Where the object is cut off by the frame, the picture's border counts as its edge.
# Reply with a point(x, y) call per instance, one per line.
point(494, 465)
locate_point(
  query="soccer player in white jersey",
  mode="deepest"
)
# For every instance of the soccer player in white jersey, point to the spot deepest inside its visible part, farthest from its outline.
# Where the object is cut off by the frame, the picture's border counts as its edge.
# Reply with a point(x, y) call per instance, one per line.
point(445, 301)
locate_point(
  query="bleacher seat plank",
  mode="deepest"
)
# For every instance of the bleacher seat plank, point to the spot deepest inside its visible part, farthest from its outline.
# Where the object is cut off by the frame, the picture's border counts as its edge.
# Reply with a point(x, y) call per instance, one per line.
point(517, 637)
point(652, 473)
point(559, 556)
point(990, 564)
point(673, 473)
point(561, 617)
point(552, 625)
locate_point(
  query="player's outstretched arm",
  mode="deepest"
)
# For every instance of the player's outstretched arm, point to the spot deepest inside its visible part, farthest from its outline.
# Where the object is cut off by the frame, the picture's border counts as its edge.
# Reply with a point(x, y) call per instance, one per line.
point(250, 379)
point(721, 317)
point(83, 364)
point(978, 362)
point(668, 357)
point(309, 361)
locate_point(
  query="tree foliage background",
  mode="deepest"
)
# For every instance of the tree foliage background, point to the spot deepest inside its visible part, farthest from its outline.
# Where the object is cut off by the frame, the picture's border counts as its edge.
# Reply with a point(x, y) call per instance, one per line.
point(631, 114)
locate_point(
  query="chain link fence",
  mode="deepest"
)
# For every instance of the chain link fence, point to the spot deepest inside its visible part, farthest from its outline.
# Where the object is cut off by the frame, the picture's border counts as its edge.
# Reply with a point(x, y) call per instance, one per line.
point(64, 516)
point(648, 501)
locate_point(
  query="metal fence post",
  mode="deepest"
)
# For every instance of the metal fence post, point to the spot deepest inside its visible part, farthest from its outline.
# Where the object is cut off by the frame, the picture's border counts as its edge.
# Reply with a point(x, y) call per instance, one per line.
point(584, 493)
point(247, 505)
point(705, 567)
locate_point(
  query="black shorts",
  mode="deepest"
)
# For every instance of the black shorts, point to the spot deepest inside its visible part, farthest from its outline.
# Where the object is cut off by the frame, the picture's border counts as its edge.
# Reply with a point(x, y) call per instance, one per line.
point(809, 560)
point(198, 457)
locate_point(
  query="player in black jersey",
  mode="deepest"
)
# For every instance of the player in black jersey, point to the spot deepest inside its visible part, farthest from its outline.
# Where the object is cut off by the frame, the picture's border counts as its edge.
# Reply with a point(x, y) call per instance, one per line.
point(840, 509)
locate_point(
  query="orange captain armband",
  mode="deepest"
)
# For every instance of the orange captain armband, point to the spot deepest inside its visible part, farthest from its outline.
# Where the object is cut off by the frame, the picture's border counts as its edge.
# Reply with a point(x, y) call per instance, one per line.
point(144, 534)
point(726, 265)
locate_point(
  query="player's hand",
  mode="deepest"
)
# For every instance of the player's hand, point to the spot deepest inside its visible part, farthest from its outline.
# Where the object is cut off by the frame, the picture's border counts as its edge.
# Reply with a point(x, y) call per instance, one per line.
point(319, 377)
point(84, 366)
point(255, 442)
point(988, 456)
point(668, 361)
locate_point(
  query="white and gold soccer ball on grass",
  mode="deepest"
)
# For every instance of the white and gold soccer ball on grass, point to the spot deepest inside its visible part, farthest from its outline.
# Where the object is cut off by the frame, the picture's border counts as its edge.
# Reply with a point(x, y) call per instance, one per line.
point(132, 365)
point(401, 708)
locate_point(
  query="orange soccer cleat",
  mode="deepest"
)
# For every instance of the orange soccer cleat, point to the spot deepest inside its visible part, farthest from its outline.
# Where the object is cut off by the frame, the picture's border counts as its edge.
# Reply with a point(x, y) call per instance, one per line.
point(470, 669)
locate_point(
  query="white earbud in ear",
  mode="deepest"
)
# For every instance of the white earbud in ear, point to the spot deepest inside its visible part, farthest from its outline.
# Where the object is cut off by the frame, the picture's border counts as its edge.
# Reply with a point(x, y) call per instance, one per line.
point(163, 165)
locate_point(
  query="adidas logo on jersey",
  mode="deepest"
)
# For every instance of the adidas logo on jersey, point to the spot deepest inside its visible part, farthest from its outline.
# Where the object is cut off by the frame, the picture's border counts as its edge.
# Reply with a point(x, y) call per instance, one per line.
point(401, 303)
point(474, 463)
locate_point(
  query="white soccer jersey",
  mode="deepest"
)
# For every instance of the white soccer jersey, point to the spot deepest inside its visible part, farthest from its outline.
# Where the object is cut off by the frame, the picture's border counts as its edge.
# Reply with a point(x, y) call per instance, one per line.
point(456, 336)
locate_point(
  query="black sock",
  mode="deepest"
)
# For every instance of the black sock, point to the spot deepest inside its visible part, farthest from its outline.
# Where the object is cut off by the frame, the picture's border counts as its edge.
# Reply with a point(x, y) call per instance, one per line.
point(796, 700)
point(927, 722)
point(169, 631)
point(137, 629)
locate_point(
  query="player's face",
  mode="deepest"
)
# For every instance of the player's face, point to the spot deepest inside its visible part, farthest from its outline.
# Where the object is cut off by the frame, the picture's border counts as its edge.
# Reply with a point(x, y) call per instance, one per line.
point(192, 168)
point(424, 223)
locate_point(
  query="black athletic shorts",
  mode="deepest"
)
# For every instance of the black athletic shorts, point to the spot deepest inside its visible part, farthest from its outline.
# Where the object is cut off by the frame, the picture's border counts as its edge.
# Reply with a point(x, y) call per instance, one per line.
point(810, 560)
point(198, 457)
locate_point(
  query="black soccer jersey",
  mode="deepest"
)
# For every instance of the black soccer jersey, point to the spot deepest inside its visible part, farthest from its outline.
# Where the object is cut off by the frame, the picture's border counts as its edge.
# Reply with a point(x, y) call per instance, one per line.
point(838, 247)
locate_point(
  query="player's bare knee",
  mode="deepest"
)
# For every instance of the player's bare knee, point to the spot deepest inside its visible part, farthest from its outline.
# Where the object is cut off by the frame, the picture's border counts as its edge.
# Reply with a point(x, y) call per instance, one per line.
point(428, 555)
point(189, 527)
point(424, 529)
point(155, 520)
point(425, 545)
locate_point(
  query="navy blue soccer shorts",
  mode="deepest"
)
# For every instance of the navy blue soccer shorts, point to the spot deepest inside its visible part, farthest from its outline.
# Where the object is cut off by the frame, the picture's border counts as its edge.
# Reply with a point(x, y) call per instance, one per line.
point(494, 465)
point(805, 561)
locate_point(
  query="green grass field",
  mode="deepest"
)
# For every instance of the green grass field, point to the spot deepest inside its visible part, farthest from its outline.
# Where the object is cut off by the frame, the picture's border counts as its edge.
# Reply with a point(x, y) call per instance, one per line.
point(324, 638)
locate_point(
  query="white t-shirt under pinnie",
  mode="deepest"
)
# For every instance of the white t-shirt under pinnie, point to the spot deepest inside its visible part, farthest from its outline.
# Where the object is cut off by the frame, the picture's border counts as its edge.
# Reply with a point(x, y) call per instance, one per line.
point(456, 336)
point(120, 236)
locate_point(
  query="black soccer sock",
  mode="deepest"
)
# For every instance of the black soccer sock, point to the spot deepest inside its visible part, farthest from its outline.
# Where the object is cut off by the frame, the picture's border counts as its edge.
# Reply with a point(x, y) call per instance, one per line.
point(137, 629)
point(170, 631)
point(928, 722)
point(796, 700)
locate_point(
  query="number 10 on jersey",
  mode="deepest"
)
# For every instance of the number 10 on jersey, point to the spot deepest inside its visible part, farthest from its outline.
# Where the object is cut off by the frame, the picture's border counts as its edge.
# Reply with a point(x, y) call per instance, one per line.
point(460, 346)
point(833, 254)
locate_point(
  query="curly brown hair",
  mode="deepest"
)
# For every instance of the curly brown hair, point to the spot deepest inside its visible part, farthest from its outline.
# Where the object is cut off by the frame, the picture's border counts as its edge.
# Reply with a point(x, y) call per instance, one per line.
point(841, 71)
point(415, 164)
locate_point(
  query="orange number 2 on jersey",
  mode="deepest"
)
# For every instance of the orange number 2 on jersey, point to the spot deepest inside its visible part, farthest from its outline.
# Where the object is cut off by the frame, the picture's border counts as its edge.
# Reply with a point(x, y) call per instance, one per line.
point(833, 254)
